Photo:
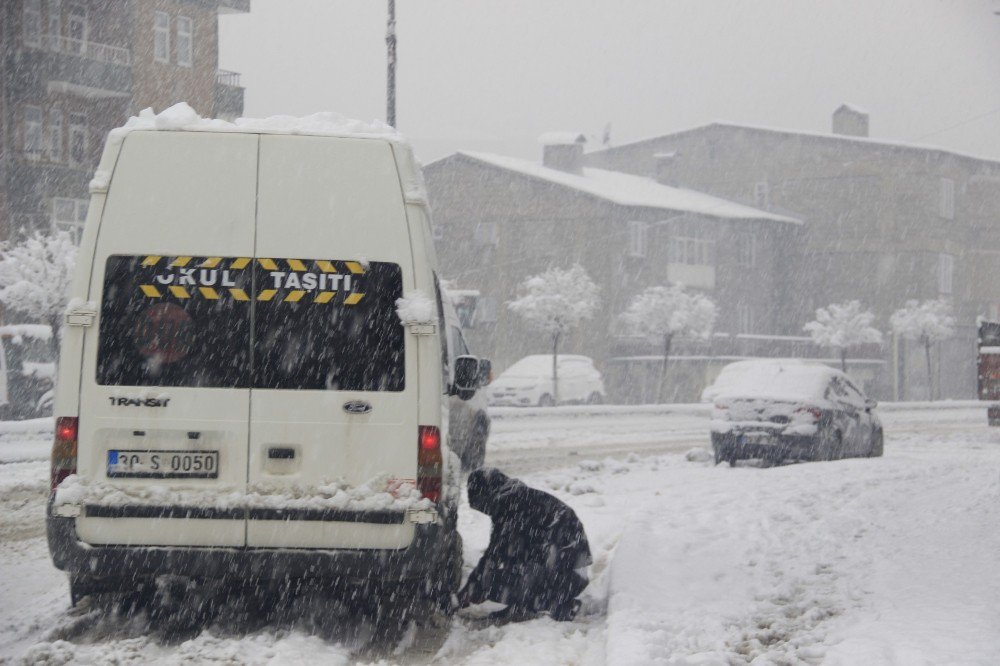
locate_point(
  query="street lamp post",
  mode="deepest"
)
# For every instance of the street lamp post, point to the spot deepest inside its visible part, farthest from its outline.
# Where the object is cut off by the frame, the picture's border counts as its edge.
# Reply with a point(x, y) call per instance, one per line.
point(390, 88)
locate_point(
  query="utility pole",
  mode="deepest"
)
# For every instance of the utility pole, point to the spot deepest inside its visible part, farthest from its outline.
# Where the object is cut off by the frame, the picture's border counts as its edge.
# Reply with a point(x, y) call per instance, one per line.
point(390, 84)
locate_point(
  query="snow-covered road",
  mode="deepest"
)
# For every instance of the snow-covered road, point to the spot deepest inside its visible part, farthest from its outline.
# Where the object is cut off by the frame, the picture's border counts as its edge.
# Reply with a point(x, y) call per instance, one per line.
point(887, 561)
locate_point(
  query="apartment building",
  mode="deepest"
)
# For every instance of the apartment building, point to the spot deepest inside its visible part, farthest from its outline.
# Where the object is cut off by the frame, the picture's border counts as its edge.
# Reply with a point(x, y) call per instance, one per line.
point(71, 70)
point(884, 222)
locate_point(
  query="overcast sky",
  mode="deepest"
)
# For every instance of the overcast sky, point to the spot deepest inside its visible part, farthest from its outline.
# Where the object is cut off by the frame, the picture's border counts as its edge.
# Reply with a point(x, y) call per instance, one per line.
point(491, 75)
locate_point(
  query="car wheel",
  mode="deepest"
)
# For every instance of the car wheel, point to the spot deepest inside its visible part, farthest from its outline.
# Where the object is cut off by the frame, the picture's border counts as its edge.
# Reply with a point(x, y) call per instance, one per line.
point(595, 399)
point(877, 445)
point(546, 401)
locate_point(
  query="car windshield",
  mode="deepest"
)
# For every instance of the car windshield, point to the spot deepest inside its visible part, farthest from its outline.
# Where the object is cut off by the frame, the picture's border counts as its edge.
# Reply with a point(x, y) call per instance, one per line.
point(232, 322)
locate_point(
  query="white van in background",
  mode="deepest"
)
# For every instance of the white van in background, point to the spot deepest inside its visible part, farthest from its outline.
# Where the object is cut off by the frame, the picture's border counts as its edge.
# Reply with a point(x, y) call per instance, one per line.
point(238, 397)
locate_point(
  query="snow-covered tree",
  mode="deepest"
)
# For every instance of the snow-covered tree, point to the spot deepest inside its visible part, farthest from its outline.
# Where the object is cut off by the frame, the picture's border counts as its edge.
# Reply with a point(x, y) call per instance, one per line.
point(928, 323)
point(555, 302)
point(35, 275)
point(841, 326)
point(662, 314)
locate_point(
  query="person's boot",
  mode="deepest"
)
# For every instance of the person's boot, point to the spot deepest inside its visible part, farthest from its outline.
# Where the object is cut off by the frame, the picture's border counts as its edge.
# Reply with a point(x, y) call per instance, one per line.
point(565, 611)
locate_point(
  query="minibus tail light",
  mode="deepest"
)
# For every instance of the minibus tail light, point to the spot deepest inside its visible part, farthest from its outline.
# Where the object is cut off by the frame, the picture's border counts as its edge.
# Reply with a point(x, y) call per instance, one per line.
point(64, 449)
point(429, 462)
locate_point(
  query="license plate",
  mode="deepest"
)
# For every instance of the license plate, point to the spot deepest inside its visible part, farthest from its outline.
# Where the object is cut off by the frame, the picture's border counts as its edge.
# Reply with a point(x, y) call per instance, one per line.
point(163, 464)
point(756, 438)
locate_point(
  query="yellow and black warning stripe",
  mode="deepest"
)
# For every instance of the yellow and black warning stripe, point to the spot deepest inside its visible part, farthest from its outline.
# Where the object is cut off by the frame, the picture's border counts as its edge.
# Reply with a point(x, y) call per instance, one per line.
point(214, 292)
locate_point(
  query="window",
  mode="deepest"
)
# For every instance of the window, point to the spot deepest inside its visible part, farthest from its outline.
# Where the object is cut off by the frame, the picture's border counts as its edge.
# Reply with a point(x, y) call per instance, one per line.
point(762, 194)
point(77, 29)
point(161, 37)
point(32, 22)
point(638, 233)
point(347, 347)
point(694, 250)
point(846, 393)
point(55, 143)
point(78, 139)
point(947, 201)
point(69, 215)
point(185, 41)
point(946, 271)
point(55, 24)
point(458, 342)
point(33, 138)
point(162, 325)
point(746, 251)
point(745, 315)
point(465, 307)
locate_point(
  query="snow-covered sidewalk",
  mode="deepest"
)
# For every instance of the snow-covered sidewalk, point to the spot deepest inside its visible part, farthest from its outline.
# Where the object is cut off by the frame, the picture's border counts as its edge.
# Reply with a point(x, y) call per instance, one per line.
point(856, 562)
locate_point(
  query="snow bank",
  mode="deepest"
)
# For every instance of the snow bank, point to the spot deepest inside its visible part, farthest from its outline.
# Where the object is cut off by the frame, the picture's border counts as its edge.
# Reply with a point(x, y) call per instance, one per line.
point(376, 495)
point(853, 562)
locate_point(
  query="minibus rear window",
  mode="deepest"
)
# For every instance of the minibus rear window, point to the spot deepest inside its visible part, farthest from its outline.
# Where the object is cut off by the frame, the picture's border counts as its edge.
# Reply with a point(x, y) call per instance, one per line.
point(175, 321)
point(230, 322)
point(330, 326)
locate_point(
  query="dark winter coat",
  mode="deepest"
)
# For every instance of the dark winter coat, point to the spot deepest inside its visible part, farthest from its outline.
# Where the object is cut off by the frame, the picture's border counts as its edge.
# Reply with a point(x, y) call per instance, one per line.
point(529, 526)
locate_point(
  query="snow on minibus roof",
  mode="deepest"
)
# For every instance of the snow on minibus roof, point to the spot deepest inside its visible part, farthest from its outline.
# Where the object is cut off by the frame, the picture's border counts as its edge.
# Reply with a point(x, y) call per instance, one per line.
point(181, 117)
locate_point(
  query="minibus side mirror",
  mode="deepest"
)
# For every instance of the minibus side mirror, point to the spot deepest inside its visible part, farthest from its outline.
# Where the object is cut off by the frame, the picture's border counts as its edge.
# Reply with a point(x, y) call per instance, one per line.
point(467, 377)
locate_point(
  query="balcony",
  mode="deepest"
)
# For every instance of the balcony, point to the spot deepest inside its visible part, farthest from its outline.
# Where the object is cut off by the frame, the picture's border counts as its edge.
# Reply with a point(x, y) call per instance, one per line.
point(66, 65)
point(228, 95)
point(226, 78)
point(106, 53)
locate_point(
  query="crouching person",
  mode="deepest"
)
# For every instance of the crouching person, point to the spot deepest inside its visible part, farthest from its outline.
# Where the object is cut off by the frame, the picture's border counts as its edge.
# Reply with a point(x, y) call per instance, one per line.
point(538, 554)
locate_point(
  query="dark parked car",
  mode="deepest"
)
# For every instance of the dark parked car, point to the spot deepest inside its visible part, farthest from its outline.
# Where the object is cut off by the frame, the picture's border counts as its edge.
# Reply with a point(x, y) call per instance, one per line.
point(793, 412)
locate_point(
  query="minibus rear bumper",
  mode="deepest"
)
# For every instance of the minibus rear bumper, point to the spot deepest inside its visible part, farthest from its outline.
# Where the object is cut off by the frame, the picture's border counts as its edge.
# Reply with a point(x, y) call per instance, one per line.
point(426, 554)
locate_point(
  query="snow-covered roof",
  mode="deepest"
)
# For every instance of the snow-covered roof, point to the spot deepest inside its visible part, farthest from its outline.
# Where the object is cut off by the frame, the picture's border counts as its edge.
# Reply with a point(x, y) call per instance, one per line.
point(629, 190)
point(806, 133)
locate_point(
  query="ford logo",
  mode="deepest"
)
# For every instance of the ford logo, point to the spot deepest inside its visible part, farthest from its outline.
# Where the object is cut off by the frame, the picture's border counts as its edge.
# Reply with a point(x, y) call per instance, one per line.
point(357, 407)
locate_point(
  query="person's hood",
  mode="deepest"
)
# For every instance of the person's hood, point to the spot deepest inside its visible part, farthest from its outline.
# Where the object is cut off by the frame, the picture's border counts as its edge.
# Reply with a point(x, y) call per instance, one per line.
point(486, 486)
